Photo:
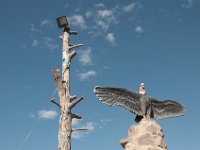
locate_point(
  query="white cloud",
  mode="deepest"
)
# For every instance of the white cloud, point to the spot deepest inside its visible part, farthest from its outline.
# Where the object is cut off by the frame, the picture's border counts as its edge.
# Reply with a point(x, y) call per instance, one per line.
point(102, 24)
point(95, 33)
point(50, 43)
point(129, 8)
point(76, 134)
point(85, 57)
point(90, 126)
point(35, 43)
point(75, 122)
point(77, 20)
point(47, 114)
point(86, 75)
point(88, 14)
point(138, 29)
point(110, 37)
point(104, 122)
point(105, 13)
point(104, 18)
point(45, 22)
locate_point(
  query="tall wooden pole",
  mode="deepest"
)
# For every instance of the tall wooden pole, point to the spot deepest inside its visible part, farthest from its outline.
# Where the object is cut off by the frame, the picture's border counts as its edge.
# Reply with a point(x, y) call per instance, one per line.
point(67, 102)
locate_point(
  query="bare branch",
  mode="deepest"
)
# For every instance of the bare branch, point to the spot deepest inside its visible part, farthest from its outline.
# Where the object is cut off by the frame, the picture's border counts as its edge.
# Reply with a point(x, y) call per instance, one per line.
point(72, 32)
point(75, 102)
point(74, 46)
point(53, 100)
point(72, 97)
point(79, 129)
point(72, 54)
point(76, 116)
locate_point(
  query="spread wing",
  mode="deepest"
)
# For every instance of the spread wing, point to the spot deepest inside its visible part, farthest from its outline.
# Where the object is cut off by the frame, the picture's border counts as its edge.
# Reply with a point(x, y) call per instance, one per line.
point(166, 108)
point(119, 96)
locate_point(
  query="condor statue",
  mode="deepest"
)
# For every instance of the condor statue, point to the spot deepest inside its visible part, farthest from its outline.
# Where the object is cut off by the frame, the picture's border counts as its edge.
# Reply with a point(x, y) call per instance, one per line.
point(140, 103)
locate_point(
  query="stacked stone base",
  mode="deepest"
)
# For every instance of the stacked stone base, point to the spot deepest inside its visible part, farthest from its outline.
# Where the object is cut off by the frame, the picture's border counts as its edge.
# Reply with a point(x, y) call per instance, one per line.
point(147, 135)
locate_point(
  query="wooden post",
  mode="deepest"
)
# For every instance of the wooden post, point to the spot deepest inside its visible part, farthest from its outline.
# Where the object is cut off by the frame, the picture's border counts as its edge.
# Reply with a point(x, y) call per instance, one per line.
point(67, 102)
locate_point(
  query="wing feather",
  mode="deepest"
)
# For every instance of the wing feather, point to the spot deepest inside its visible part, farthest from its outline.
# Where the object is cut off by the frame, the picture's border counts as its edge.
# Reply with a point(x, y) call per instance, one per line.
point(166, 108)
point(119, 96)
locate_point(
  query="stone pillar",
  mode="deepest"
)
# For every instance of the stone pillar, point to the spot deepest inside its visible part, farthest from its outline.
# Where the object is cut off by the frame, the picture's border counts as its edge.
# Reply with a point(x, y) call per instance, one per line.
point(147, 135)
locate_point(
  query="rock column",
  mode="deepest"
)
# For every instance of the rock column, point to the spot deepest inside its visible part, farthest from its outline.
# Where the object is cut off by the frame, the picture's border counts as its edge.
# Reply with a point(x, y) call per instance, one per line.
point(147, 135)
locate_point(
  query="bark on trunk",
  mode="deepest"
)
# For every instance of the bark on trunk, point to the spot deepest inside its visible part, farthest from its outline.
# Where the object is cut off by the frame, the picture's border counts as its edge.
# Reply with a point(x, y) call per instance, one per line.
point(63, 88)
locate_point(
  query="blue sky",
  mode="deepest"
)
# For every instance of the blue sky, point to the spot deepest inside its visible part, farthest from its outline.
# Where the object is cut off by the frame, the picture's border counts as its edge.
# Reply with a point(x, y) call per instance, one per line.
point(125, 43)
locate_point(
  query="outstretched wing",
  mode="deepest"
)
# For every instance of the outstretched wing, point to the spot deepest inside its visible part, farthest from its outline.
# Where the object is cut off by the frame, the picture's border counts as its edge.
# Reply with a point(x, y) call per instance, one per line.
point(166, 108)
point(119, 96)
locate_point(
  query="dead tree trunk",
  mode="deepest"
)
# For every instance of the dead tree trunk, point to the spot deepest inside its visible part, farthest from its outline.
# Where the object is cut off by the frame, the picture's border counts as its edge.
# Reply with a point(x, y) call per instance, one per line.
point(66, 100)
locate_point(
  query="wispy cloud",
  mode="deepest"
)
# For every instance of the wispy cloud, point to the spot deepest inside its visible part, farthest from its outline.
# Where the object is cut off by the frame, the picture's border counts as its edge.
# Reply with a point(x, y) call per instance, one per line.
point(77, 20)
point(85, 57)
point(47, 114)
point(100, 5)
point(102, 24)
point(77, 135)
point(75, 122)
point(105, 13)
point(104, 122)
point(34, 29)
point(66, 5)
point(188, 3)
point(106, 67)
point(35, 43)
point(164, 13)
point(31, 115)
point(110, 38)
point(45, 22)
point(88, 14)
point(86, 75)
point(101, 18)
point(129, 8)
point(23, 46)
point(90, 126)
point(105, 17)
point(50, 43)
point(138, 29)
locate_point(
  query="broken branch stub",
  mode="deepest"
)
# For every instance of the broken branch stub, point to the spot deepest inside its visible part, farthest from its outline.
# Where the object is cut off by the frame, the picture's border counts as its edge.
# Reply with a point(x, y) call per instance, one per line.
point(72, 104)
point(79, 129)
point(76, 116)
point(53, 100)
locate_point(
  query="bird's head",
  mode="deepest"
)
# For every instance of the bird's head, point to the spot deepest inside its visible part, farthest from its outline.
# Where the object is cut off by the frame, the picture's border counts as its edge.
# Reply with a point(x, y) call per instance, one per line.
point(142, 89)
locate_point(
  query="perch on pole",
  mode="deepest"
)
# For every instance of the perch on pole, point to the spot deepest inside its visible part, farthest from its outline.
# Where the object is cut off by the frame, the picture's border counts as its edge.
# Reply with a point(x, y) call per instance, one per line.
point(67, 101)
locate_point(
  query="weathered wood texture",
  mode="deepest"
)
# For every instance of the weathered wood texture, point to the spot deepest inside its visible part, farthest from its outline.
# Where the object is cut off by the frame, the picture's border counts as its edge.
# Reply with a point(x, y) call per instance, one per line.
point(63, 88)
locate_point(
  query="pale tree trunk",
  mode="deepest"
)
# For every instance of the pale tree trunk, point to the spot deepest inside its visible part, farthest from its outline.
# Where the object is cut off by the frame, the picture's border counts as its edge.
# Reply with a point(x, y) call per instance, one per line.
point(63, 88)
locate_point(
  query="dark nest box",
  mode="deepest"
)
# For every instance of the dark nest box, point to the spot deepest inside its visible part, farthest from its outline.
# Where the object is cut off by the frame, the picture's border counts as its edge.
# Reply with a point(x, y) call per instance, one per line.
point(62, 22)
